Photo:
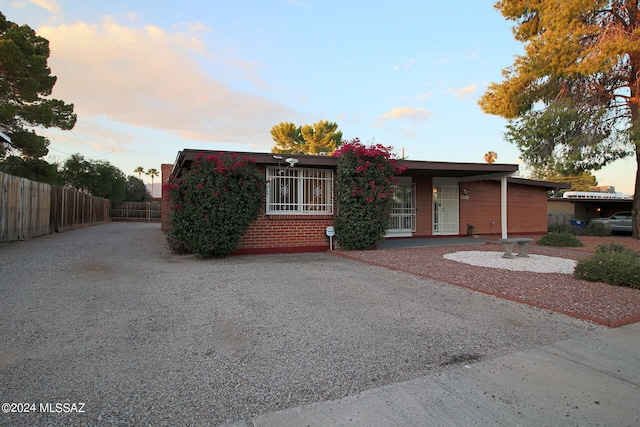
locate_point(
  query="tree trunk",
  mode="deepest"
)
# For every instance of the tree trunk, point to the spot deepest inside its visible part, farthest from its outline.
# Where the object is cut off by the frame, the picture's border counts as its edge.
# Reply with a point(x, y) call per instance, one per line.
point(634, 105)
point(635, 132)
point(636, 199)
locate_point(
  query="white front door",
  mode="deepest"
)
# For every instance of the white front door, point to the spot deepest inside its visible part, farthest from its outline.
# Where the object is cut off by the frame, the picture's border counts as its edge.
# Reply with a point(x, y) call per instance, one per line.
point(445, 210)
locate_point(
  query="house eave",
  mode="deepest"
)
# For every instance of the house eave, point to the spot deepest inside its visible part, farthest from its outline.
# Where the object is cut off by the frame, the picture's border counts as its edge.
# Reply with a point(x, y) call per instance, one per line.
point(415, 168)
point(548, 185)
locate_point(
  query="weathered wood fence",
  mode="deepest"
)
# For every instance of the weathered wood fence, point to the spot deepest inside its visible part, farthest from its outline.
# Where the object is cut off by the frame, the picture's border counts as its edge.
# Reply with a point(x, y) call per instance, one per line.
point(136, 211)
point(29, 208)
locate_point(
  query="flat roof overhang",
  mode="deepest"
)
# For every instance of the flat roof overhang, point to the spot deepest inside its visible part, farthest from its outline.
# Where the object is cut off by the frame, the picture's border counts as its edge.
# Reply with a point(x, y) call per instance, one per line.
point(415, 168)
point(590, 201)
point(551, 186)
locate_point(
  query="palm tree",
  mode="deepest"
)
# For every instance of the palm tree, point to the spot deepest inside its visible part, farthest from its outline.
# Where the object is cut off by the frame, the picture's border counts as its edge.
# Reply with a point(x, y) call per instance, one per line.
point(490, 157)
point(152, 173)
point(139, 170)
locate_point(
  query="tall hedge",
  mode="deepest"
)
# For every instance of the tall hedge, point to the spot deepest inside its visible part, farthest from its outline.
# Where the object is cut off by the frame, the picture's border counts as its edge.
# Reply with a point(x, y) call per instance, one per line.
point(366, 182)
point(214, 203)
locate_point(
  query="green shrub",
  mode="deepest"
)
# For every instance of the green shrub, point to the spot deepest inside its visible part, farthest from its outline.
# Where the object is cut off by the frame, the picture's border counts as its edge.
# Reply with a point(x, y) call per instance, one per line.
point(175, 245)
point(213, 204)
point(562, 228)
point(613, 264)
point(614, 248)
point(565, 240)
point(366, 181)
point(596, 230)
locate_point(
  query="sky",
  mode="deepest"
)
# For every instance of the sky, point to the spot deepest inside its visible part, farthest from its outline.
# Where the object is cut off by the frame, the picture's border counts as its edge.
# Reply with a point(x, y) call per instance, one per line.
point(150, 78)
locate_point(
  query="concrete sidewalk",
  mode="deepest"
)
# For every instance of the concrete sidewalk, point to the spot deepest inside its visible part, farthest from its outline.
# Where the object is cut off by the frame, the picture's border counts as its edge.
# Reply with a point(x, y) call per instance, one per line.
point(590, 380)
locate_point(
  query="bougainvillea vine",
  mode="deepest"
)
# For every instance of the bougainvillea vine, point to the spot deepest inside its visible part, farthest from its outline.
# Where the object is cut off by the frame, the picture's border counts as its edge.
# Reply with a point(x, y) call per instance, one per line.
point(366, 183)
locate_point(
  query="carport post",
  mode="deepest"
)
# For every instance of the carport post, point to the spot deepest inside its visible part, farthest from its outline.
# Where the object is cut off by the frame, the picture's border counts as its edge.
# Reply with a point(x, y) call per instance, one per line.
point(503, 206)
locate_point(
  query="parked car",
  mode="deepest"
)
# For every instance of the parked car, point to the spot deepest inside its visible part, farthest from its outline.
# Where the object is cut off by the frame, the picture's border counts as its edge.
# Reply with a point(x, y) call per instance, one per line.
point(619, 222)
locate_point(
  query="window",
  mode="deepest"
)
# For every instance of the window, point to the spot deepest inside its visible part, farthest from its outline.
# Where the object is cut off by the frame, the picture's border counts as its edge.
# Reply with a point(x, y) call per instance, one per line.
point(299, 191)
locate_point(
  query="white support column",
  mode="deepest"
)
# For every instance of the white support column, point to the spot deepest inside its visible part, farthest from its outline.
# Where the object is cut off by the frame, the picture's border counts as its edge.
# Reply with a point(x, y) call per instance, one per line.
point(503, 206)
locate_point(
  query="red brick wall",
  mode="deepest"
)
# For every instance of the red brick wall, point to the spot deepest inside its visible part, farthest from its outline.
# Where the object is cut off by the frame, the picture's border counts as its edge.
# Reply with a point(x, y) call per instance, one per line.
point(424, 207)
point(271, 233)
point(286, 233)
point(482, 208)
point(164, 206)
point(526, 208)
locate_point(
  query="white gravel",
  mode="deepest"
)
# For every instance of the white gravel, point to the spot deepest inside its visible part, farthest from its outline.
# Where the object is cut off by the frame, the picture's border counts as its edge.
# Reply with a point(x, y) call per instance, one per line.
point(533, 263)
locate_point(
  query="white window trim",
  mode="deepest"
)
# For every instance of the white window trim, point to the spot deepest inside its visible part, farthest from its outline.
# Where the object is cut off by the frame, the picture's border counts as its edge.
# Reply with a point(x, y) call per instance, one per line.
point(273, 173)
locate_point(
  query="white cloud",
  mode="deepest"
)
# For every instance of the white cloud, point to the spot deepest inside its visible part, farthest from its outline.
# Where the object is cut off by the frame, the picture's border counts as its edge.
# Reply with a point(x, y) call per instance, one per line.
point(149, 77)
point(443, 61)
point(407, 113)
point(409, 64)
point(465, 92)
point(49, 5)
point(424, 96)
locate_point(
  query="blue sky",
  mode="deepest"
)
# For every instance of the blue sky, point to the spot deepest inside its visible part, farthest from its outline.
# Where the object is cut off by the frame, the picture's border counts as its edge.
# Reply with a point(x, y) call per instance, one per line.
point(149, 78)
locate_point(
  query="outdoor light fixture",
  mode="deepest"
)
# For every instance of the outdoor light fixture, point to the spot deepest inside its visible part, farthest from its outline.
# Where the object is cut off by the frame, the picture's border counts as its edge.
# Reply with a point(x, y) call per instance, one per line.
point(277, 157)
point(292, 162)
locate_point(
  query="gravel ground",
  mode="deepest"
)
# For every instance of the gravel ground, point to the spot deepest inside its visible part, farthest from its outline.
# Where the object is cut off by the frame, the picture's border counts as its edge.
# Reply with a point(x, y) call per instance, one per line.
point(554, 290)
point(106, 316)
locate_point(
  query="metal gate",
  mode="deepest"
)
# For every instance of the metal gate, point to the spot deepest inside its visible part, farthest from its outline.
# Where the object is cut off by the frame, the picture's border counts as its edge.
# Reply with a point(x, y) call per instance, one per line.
point(445, 210)
point(402, 222)
point(136, 211)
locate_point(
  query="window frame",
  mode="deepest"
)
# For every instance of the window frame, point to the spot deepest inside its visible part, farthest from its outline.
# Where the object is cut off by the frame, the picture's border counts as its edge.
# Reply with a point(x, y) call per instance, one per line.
point(303, 181)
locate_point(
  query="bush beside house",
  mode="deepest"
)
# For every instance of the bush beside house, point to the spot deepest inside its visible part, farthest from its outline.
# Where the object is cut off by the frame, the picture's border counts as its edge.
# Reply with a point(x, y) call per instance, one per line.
point(366, 181)
point(213, 204)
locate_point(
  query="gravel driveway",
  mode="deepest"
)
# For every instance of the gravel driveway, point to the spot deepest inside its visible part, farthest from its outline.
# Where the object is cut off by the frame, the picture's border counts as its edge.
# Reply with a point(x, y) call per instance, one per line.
point(106, 316)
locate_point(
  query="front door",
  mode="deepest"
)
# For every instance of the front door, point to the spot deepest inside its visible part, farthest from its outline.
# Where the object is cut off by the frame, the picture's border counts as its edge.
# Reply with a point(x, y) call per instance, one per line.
point(445, 210)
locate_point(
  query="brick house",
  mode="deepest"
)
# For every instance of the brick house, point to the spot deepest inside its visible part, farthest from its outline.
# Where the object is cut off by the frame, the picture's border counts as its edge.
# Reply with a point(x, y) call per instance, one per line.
point(435, 199)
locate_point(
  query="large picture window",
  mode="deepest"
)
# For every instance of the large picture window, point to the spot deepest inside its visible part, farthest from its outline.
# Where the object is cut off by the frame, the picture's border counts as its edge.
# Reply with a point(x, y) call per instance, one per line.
point(299, 191)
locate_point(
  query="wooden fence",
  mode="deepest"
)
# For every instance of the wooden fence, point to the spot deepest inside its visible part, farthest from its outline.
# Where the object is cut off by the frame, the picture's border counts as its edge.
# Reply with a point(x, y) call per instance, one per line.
point(30, 209)
point(136, 211)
